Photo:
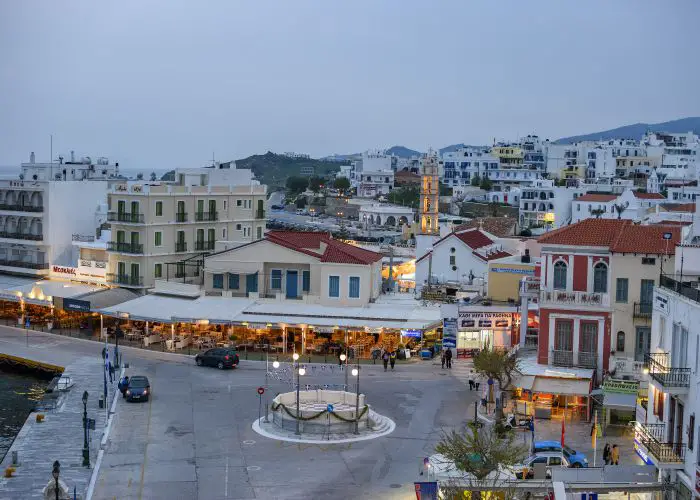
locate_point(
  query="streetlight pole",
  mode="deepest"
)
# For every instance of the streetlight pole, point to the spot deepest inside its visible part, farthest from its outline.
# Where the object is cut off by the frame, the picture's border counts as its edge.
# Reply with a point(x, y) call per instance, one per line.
point(299, 374)
point(344, 359)
point(86, 450)
point(56, 472)
point(356, 373)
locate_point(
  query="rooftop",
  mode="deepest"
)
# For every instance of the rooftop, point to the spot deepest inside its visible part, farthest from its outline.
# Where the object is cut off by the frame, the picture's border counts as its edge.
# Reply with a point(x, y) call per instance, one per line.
point(323, 246)
point(497, 226)
point(602, 198)
point(648, 196)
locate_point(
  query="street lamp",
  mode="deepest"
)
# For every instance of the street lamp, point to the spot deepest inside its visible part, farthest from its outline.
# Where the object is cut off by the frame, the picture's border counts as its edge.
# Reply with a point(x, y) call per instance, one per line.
point(86, 450)
point(55, 473)
point(344, 359)
point(356, 373)
point(300, 372)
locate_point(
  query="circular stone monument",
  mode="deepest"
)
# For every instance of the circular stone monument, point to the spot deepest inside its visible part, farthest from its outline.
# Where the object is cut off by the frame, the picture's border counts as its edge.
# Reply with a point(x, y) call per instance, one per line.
point(323, 417)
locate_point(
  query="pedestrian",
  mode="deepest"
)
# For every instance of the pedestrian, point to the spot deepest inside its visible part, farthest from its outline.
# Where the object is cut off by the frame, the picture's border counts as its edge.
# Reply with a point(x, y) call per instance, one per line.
point(392, 359)
point(442, 360)
point(111, 372)
point(385, 359)
point(123, 385)
point(606, 454)
point(448, 358)
point(471, 380)
point(615, 455)
point(104, 352)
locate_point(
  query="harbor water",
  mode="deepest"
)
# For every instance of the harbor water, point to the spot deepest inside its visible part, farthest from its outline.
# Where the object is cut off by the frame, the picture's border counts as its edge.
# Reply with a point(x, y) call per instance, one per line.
point(19, 393)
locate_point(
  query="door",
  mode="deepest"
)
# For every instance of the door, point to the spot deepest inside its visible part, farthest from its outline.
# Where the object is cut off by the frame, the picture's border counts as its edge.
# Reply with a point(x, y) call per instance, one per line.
point(679, 428)
point(646, 296)
point(135, 278)
point(292, 281)
point(251, 283)
point(671, 420)
point(121, 207)
point(642, 342)
point(200, 207)
point(121, 269)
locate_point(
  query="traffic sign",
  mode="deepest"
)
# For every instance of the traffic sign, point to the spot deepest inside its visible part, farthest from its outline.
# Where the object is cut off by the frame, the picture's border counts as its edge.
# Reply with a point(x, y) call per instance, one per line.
point(261, 390)
point(330, 408)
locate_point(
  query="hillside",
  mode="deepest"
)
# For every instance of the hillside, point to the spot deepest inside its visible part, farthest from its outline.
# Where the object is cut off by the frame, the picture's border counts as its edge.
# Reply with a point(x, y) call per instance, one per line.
point(402, 152)
point(273, 169)
point(637, 130)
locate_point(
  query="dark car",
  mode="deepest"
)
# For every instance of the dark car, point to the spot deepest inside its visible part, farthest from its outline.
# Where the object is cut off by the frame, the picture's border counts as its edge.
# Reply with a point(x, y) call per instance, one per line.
point(139, 389)
point(220, 357)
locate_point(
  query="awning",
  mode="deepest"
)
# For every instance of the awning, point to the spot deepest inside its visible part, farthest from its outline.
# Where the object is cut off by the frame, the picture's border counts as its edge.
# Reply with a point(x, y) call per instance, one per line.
point(617, 401)
point(562, 386)
point(108, 298)
point(525, 382)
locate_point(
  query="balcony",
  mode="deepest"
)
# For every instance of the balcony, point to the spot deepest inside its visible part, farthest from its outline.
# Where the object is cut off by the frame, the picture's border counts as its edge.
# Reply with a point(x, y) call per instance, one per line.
point(562, 358)
point(180, 246)
point(260, 214)
point(672, 380)
point(20, 207)
point(206, 216)
point(650, 438)
point(23, 264)
point(642, 310)
point(200, 246)
point(131, 218)
point(566, 298)
point(682, 288)
point(587, 360)
point(181, 217)
point(21, 236)
point(123, 247)
point(125, 279)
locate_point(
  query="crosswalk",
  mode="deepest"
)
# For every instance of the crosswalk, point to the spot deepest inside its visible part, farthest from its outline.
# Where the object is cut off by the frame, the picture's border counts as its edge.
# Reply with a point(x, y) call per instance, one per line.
point(462, 369)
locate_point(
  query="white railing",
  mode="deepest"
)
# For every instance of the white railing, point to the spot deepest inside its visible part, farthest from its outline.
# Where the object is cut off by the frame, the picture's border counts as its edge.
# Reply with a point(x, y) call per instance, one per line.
point(563, 297)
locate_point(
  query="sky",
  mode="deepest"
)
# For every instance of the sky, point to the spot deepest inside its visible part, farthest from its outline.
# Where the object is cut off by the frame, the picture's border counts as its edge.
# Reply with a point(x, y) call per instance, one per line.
point(165, 84)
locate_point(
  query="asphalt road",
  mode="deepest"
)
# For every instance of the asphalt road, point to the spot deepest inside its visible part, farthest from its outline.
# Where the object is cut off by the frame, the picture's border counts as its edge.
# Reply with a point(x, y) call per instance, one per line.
point(193, 439)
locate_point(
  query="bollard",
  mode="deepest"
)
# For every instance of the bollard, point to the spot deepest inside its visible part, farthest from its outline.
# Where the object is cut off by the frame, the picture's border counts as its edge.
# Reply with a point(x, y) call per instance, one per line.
point(15, 458)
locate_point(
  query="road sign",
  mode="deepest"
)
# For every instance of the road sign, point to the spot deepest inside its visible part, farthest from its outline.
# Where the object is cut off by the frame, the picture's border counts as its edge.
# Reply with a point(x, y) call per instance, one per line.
point(26, 323)
point(261, 390)
point(330, 408)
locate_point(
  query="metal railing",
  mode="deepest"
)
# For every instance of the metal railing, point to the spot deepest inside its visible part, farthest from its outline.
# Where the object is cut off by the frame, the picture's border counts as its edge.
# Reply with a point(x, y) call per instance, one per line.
point(642, 310)
point(651, 436)
point(21, 236)
point(573, 297)
point(26, 265)
point(203, 245)
point(125, 217)
point(562, 358)
point(125, 279)
point(86, 238)
point(180, 246)
point(206, 216)
point(260, 214)
point(679, 287)
point(660, 370)
point(19, 207)
point(587, 360)
point(123, 247)
point(181, 217)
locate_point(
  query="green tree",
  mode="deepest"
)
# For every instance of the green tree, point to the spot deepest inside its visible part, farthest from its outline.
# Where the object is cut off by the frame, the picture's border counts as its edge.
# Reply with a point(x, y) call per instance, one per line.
point(406, 196)
point(342, 184)
point(315, 184)
point(445, 190)
point(297, 184)
point(500, 366)
point(476, 180)
point(486, 184)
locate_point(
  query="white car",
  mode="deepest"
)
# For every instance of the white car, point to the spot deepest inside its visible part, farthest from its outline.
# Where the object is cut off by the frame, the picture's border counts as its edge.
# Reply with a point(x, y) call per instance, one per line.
point(526, 470)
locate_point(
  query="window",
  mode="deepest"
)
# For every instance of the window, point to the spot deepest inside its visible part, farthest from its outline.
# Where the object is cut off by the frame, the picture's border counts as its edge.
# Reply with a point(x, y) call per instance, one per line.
point(121, 206)
point(305, 281)
point(648, 261)
point(223, 233)
point(589, 336)
point(578, 207)
point(621, 289)
point(452, 260)
point(159, 208)
point(238, 203)
point(620, 341)
point(564, 336)
point(354, 287)
point(659, 404)
point(233, 281)
point(238, 227)
point(334, 286)
point(260, 230)
point(600, 278)
point(225, 204)
point(662, 330)
point(211, 235)
point(560, 275)
point(218, 280)
point(158, 239)
point(158, 271)
point(276, 279)
point(691, 431)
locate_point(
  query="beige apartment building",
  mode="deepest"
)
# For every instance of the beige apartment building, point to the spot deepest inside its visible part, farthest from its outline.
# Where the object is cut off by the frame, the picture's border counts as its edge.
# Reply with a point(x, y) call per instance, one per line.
point(158, 228)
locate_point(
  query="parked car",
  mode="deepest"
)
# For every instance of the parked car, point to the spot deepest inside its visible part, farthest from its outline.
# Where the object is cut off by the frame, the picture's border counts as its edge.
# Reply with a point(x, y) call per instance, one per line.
point(550, 459)
point(139, 389)
point(221, 357)
point(575, 459)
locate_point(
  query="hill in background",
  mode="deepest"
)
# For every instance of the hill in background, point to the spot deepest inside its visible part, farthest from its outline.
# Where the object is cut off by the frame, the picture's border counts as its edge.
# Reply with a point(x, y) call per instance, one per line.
point(636, 131)
point(273, 169)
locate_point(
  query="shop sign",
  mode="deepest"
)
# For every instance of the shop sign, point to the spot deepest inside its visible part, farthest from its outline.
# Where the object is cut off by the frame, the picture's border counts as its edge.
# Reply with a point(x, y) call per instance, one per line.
point(661, 303)
point(9, 296)
point(324, 329)
point(513, 270)
point(449, 332)
point(64, 272)
point(531, 286)
point(621, 386)
point(411, 333)
point(372, 330)
point(76, 305)
point(642, 453)
point(485, 320)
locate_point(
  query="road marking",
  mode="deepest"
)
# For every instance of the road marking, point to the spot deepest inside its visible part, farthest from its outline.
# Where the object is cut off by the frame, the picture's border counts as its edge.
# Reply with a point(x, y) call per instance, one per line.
point(226, 482)
point(229, 388)
point(145, 451)
point(252, 468)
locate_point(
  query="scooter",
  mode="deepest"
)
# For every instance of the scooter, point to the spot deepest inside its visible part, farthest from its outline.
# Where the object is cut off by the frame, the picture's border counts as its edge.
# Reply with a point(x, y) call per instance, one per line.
point(512, 422)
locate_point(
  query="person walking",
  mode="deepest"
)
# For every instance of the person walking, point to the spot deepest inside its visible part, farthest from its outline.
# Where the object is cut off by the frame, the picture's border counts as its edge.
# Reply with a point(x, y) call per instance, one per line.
point(104, 352)
point(385, 359)
point(442, 360)
point(606, 454)
point(448, 358)
point(110, 367)
point(392, 359)
point(615, 455)
point(123, 385)
point(471, 380)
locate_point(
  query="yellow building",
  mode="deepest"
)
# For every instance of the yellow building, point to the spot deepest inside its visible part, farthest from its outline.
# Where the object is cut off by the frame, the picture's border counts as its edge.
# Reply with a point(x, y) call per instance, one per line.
point(505, 275)
point(574, 172)
point(508, 156)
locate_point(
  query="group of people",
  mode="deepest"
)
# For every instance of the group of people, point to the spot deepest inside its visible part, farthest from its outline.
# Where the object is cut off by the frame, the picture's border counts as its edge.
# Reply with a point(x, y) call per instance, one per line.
point(611, 456)
point(446, 358)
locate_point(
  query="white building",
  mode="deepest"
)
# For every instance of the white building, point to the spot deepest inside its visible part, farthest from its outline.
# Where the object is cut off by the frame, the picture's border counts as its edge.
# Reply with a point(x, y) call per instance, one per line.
point(374, 174)
point(545, 205)
point(384, 214)
point(458, 168)
point(631, 205)
point(44, 206)
point(678, 153)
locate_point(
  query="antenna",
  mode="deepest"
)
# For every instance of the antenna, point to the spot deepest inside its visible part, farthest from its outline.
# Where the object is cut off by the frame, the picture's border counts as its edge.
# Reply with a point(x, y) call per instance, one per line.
point(51, 157)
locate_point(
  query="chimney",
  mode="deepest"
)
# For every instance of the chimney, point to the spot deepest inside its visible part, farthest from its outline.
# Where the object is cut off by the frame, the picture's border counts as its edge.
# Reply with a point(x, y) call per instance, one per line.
point(525, 259)
point(32, 158)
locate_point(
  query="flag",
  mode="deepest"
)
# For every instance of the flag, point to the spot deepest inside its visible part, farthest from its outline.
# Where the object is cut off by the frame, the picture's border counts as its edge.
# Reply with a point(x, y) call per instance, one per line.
point(594, 431)
point(563, 432)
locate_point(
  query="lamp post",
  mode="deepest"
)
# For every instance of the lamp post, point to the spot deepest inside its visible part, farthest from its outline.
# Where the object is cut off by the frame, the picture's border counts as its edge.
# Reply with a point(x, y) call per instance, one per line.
point(117, 333)
point(55, 473)
point(356, 373)
point(86, 450)
point(300, 371)
point(344, 359)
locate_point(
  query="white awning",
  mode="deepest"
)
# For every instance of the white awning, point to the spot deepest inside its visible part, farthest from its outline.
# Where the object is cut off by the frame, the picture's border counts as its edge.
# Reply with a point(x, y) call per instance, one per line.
point(617, 401)
point(571, 387)
point(525, 382)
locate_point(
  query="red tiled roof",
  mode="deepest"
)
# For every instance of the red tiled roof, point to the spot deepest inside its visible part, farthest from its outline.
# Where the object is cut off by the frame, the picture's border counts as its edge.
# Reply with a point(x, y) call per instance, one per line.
point(597, 197)
point(335, 251)
point(648, 196)
point(497, 226)
point(343, 253)
point(646, 239)
point(588, 232)
point(679, 207)
point(301, 239)
point(474, 238)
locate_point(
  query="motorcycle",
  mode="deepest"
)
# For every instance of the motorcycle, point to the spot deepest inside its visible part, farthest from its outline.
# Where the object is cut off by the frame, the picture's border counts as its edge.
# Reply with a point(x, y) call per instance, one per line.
point(512, 421)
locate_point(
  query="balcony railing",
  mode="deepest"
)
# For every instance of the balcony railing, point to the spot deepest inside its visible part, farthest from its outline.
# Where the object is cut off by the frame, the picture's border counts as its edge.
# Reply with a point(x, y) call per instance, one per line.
point(21, 236)
point(85, 238)
point(125, 217)
point(206, 216)
point(562, 358)
point(660, 370)
point(642, 310)
point(203, 245)
point(682, 288)
point(564, 297)
point(181, 217)
point(260, 214)
point(26, 265)
point(123, 247)
point(125, 279)
point(180, 246)
point(587, 360)
point(651, 436)
point(19, 207)
point(100, 264)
